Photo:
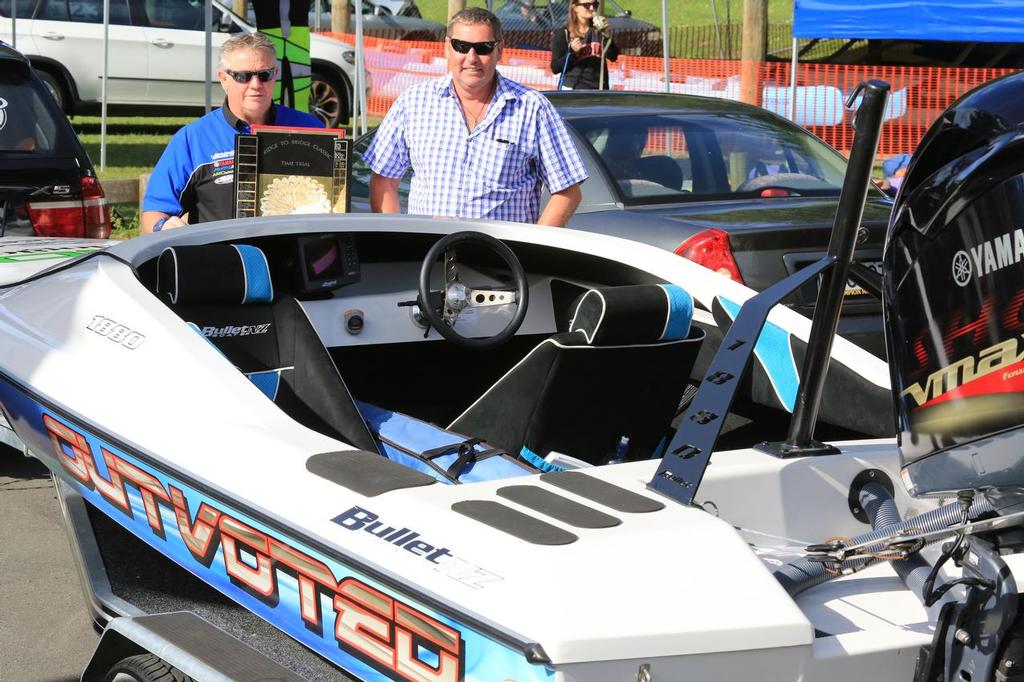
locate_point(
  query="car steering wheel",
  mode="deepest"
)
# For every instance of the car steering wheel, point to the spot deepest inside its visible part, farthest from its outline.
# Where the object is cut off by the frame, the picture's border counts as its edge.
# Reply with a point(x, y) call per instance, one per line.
point(780, 180)
point(442, 313)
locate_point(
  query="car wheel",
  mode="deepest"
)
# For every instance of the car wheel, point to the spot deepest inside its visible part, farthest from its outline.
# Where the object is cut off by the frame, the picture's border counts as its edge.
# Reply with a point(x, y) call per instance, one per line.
point(329, 100)
point(55, 87)
point(144, 668)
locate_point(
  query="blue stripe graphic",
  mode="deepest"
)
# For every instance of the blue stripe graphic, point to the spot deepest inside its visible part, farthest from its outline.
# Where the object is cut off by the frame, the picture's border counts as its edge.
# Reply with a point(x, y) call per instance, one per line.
point(776, 356)
point(680, 312)
point(268, 381)
point(258, 288)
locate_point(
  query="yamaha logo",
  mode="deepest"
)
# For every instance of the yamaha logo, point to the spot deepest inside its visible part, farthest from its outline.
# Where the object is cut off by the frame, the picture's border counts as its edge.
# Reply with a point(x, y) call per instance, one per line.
point(988, 257)
point(3, 113)
point(961, 268)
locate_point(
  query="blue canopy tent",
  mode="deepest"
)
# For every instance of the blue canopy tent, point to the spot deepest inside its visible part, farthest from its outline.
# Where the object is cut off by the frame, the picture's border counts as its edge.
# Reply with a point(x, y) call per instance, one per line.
point(994, 21)
point(997, 21)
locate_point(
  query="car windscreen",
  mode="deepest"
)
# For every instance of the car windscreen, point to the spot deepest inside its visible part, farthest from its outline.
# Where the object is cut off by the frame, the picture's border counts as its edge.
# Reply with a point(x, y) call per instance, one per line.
point(30, 123)
point(657, 158)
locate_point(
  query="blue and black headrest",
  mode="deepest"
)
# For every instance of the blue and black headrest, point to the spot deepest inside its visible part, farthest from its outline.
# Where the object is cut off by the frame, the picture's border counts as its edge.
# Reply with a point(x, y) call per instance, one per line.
point(214, 274)
point(642, 313)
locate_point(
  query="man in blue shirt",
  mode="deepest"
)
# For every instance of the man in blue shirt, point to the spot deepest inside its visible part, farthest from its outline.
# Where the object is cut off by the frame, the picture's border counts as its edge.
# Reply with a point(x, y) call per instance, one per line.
point(195, 174)
point(479, 144)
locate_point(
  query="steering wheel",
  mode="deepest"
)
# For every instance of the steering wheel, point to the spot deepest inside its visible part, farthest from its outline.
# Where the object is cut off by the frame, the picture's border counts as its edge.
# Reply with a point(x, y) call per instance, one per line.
point(781, 180)
point(458, 297)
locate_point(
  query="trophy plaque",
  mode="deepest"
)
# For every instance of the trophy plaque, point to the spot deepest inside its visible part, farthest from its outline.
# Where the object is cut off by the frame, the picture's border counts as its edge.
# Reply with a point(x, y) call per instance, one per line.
point(288, 171)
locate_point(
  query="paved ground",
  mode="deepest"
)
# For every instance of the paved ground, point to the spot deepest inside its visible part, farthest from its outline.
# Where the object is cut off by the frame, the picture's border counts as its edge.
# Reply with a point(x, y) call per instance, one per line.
point(45, 634)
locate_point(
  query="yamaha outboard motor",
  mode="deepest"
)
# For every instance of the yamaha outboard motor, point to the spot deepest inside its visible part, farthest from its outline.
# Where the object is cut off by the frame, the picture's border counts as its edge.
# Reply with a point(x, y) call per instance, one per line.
point(953, 297)
point(954, 300)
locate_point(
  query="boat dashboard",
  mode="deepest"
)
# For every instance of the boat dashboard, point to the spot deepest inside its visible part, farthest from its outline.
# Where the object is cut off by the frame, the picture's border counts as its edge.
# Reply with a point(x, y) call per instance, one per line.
point(361, 288)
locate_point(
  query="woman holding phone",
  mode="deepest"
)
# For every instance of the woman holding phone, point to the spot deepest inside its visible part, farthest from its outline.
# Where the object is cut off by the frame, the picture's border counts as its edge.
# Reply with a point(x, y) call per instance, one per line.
point(579, 51)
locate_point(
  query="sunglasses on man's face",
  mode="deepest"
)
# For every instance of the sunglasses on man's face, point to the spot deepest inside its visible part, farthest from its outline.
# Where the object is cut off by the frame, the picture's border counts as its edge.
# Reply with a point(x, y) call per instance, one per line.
point(244, 77)
point(587, 5)
point(482, 49)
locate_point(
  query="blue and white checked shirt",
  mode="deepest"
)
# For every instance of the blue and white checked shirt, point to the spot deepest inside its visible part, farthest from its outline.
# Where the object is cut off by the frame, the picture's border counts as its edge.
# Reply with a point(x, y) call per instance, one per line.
point(494, 171)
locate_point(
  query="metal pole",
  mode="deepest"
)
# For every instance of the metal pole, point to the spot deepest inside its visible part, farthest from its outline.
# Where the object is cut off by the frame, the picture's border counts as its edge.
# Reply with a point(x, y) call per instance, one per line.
point(14, 24)
point(208, 61)
point(360, 94)
point(718, 30)
point(664, 43)
point(316, 17)
point(792, 82)
point(103, 93)
point(868, 124)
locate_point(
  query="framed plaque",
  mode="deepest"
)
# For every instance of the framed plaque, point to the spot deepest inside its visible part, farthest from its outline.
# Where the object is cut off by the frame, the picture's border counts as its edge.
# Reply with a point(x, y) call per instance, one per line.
point(287, 171)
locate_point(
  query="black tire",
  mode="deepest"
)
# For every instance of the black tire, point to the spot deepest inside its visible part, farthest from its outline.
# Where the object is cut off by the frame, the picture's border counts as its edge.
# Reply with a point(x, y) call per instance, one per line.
point(144, 668)
point(56, 88)
point(330, 99)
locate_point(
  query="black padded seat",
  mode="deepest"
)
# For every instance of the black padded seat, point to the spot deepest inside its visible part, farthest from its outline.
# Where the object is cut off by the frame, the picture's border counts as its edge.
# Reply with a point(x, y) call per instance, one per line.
point(620, 370)
point(225, 292)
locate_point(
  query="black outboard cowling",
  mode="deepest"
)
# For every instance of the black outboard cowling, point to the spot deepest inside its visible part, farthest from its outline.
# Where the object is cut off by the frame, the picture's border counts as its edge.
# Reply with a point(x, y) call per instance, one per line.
point(954, 299)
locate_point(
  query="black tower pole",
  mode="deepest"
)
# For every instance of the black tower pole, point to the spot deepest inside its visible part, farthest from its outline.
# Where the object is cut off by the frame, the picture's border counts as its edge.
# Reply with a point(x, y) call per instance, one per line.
point(868, 126)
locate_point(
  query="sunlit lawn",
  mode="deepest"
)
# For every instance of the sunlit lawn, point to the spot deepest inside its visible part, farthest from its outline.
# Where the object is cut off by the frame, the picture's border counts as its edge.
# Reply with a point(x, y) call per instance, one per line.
point(680, 12)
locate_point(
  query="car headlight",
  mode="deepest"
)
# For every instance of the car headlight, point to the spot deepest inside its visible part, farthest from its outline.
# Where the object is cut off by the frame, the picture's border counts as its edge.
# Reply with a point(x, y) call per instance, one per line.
point(349, 56)
point(653, 35)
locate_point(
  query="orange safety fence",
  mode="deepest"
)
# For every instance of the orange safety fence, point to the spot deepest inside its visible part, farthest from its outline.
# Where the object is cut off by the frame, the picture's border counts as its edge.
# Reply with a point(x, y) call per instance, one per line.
point(918, 96)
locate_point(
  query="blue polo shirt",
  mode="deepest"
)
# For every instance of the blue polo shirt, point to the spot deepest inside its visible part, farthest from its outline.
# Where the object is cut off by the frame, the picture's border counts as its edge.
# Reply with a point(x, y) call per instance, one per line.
point(196, 173)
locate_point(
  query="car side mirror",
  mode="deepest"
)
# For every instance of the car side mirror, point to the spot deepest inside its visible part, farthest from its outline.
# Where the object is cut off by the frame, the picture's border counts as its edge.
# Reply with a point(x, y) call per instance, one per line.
point(224, 24)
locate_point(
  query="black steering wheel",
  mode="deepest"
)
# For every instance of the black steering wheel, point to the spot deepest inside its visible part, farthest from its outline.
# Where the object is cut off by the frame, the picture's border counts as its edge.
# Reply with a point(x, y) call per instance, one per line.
point(443, 311)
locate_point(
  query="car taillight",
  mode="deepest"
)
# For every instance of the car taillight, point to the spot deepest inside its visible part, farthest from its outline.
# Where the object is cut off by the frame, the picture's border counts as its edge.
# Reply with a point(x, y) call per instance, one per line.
point(88, 216)
point(710, 248)
point(95, 209)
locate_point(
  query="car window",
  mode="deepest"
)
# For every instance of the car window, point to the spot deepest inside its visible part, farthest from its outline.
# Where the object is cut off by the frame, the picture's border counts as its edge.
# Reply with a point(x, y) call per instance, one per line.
point(25, 8)
point(680, 157)
point(514, 12)
point(29, 120)
point(180, 14)
point(53, 10)
point(361, 172)
point(91, 11)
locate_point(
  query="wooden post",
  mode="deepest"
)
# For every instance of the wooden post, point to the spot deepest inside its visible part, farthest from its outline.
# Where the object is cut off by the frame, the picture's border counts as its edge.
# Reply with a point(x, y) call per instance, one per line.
point(454, 7)
point(755, 49)
point(240, 7)
point(340, 10)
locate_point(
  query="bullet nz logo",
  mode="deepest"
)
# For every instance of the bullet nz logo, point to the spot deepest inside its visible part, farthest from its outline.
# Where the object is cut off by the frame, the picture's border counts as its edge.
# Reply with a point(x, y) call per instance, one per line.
point(3, 113)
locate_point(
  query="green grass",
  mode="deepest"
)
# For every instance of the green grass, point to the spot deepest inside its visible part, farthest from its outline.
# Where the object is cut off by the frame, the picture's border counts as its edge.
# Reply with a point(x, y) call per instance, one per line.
point(134, 143)
point(680, 12)
point(125, 221)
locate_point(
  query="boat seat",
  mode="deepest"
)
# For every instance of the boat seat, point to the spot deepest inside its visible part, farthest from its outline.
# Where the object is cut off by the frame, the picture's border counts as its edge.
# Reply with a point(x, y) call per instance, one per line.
point(620, 370)
point(225, 291)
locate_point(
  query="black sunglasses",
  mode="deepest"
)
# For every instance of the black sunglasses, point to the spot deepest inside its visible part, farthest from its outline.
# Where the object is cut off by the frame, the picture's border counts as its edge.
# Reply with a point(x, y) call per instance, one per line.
point(587, 5)
point(246, 76)
point(482, 49)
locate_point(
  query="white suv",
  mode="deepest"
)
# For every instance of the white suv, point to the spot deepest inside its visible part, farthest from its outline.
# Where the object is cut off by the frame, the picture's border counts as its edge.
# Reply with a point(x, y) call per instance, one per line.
point(156, 53)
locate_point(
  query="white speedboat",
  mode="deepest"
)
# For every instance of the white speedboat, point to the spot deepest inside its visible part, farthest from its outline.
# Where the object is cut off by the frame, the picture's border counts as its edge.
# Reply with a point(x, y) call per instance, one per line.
point(273, 465)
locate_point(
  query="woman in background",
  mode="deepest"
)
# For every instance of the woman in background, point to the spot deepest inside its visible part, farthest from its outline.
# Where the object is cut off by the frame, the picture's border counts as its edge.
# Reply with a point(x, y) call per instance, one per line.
point(579, 52)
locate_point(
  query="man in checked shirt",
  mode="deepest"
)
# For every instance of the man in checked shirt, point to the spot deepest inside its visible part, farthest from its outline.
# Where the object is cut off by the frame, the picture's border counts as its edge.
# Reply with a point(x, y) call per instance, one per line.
point(479, 144)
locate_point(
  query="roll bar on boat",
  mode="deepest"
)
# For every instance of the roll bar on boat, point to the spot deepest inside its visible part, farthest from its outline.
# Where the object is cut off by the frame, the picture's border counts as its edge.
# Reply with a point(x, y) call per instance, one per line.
point(688, 454)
